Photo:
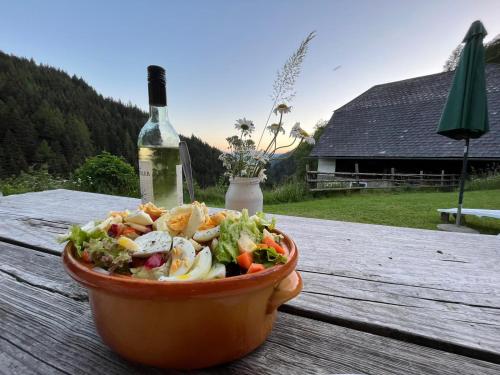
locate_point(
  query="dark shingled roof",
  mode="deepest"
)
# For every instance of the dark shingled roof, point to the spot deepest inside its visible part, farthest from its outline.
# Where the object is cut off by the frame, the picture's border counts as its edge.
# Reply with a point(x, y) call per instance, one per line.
point(399, 120)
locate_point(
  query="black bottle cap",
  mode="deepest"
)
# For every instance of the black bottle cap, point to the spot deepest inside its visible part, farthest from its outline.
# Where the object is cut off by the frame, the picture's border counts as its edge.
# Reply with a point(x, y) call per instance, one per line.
point(156, 86)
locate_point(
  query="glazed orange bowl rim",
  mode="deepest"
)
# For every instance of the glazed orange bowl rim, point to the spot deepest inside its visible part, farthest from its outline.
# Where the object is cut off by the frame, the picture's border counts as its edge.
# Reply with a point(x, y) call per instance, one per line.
point(144, 288)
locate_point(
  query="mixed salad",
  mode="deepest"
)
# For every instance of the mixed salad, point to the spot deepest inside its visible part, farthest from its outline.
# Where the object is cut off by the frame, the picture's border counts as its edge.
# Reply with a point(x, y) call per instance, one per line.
point(184, 243)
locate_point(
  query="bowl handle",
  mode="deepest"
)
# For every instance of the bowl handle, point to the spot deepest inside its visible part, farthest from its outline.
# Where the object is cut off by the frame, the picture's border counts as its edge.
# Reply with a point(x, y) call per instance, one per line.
point(287, 289)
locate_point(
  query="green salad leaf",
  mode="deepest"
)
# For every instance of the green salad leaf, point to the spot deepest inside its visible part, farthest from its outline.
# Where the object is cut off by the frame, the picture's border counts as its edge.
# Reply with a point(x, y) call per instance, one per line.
point(268, 257)
point(263, 222)
point(78, 236)
point(106, 253)
point(230, 231)
point(227, 248)
point(250, 226)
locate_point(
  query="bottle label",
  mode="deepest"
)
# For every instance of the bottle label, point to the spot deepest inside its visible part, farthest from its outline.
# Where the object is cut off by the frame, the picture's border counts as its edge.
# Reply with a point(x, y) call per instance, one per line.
point(178, 172)
point(146, 180)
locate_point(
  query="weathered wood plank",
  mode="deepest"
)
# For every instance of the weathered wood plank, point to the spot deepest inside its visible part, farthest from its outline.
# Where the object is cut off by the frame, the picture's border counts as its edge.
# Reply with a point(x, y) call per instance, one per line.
point(16, 360)
point(47, 332)
point(418, 283)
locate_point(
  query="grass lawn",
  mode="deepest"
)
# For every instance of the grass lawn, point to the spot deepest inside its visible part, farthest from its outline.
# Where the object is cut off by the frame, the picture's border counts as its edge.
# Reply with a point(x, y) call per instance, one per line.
point(404, 209)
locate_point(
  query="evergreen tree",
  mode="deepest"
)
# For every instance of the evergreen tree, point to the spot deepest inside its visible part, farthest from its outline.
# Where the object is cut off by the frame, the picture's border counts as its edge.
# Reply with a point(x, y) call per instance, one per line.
point(48, 117)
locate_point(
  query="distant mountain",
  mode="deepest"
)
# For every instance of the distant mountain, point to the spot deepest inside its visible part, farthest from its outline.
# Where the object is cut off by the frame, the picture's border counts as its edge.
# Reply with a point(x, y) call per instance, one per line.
point(48, 117)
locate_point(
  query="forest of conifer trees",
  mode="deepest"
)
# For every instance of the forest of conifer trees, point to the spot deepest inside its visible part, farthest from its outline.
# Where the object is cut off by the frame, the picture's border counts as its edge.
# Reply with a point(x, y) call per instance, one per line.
point(48, 118)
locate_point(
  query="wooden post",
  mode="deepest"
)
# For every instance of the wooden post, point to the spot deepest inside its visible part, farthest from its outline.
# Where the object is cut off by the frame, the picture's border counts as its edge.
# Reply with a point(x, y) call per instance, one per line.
point(310, 185)
point(392, 176)
point(421, 178)
point(442, 177)
point(356, 170)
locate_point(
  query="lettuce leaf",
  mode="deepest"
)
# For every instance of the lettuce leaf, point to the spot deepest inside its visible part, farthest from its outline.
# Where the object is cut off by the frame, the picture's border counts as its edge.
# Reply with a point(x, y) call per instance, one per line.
point(106, 253)
point(263, 222)
point(227, 248)
point(250, 226)
point(268, 257)
point(230, 231)
point(79, 237)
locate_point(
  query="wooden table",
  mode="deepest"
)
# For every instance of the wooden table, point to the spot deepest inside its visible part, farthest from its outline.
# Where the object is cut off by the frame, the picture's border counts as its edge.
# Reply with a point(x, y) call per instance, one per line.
point(376, 299)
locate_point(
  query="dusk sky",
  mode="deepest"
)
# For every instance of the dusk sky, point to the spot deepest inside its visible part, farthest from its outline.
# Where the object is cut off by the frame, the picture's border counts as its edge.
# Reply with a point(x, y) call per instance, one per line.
point(222, 57)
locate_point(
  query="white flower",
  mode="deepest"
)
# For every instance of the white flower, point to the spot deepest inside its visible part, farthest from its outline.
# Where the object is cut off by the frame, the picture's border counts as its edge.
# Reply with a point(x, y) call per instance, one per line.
point(298, 132)
point(295, 132)
point(282, 108)
point(262, 175)
point(276, 128)
point(244, 125)
point(309, 140)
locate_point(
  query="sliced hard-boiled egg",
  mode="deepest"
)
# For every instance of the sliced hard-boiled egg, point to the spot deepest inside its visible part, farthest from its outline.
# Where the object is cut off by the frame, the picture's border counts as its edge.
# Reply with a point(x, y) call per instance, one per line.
point(183, 255)
point(139, 217)
point(178, 218)
point(218, 271)
point(89, 227)
point(195, 220)
point(214, 244)
point(139, 227)
point(152, 209)
point(206, 235)
point(105, 224)
point(152, 242)
point(127, 243)
point(196, 245)
point(161, 223)
point(201, 267)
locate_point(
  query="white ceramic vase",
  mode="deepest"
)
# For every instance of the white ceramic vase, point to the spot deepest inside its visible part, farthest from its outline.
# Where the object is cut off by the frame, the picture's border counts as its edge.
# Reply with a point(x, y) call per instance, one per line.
point(244, 192)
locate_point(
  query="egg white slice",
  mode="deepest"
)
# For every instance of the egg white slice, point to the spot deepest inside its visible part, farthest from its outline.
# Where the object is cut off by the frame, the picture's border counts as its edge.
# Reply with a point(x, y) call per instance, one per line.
point(201, 267)
point(152, 242)
point(139, 217)
point(218, 271)
point(183, 255)
point(207, 234)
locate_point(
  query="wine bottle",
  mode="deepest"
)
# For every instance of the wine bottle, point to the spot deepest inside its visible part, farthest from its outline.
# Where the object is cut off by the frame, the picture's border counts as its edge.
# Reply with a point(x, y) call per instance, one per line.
point(160, 170)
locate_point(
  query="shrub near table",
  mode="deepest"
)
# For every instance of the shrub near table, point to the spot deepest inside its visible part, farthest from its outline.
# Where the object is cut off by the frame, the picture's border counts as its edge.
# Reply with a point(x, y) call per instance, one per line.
point(107, 174)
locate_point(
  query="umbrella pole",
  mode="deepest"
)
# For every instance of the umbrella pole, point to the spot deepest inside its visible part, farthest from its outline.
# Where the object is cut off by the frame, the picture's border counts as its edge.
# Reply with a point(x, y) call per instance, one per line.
point(463, 177)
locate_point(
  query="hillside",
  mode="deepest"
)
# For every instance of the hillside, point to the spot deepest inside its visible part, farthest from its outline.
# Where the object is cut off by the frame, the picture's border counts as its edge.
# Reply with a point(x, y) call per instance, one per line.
point(48, 117)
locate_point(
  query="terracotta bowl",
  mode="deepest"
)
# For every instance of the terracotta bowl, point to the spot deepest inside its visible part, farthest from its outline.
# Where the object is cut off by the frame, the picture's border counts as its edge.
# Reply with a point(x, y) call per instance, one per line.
point(186, 325)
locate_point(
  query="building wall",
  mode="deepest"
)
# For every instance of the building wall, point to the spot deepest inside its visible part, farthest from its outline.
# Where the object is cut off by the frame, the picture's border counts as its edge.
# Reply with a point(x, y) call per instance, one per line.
point(327, 165)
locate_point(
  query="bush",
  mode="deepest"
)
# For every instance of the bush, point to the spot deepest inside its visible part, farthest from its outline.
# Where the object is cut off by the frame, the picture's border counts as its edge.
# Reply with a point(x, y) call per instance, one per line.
point(292, 191)
point(107, 174)
point(488, 182)
point(212, 195)
point(33, 180)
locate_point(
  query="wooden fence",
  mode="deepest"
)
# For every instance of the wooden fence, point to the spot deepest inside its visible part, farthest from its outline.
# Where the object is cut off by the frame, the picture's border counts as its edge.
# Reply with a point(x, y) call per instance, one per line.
point(323, 181)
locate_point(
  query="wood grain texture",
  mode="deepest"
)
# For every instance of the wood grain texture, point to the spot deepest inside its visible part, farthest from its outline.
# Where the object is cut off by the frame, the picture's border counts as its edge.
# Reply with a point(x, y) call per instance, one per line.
point(410, 283)
point(50, 331)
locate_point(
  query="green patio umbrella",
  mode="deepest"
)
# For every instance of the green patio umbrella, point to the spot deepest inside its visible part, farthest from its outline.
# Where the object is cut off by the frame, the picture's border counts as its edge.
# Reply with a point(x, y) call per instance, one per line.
point(465, 114)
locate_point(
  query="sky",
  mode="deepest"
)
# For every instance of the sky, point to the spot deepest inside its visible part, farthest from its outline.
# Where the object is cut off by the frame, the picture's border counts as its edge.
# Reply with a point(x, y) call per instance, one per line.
point(222, 56)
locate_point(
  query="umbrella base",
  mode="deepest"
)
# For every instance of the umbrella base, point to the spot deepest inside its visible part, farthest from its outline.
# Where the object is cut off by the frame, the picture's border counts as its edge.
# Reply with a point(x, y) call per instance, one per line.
point(456, 228)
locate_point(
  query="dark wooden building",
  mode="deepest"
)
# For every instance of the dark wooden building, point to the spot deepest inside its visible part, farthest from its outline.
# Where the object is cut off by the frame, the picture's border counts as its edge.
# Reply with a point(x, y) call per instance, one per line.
point(394, 126)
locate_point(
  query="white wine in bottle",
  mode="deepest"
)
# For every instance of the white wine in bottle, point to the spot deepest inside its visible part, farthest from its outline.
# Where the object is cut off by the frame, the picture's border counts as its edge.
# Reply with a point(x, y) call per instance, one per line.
point(160, 170)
